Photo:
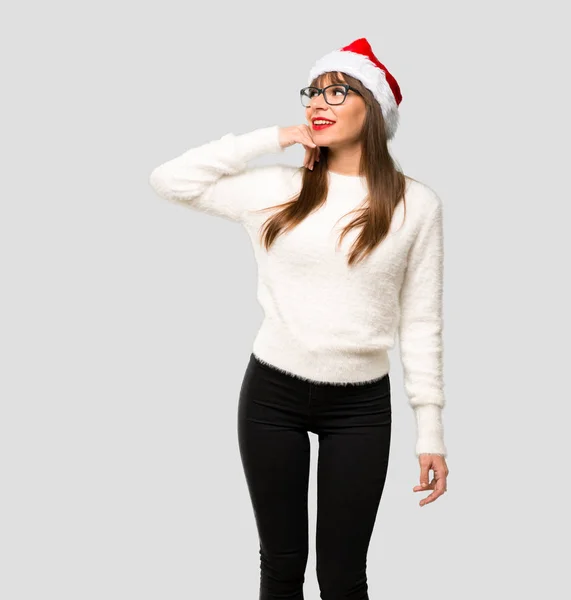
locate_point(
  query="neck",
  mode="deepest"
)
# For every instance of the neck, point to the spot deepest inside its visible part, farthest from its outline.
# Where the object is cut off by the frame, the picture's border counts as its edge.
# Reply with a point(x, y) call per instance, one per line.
point(345, 160)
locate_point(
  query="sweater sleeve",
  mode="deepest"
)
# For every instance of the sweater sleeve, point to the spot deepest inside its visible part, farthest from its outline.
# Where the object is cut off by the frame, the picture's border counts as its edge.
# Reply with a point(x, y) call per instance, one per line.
point(213, 178)
point(420, 332)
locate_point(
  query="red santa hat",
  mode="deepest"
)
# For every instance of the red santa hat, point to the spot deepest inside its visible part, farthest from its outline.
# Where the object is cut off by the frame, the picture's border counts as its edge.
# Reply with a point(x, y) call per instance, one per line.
point(357, 59)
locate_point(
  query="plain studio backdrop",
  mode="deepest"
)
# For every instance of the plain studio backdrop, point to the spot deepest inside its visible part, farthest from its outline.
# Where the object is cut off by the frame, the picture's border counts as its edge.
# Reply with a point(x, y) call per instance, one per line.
point(127, 321)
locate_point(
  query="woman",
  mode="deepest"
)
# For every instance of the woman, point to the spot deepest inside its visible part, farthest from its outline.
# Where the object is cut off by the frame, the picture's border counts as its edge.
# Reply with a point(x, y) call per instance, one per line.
point(350, 254)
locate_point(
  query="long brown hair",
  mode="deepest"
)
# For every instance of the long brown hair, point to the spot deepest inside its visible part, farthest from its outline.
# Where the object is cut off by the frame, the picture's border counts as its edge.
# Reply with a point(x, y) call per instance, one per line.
point(386, 184)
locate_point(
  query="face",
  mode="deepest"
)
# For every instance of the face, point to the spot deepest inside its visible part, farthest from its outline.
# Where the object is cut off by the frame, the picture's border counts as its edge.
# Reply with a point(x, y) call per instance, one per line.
point(348, 118)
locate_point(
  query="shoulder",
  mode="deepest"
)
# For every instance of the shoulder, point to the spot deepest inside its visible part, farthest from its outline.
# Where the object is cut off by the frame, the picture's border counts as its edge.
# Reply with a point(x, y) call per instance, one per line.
point(421, 193)
point(422, 198)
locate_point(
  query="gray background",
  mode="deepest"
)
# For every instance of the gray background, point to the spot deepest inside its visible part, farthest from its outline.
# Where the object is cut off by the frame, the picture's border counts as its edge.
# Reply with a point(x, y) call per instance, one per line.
point(127, 321)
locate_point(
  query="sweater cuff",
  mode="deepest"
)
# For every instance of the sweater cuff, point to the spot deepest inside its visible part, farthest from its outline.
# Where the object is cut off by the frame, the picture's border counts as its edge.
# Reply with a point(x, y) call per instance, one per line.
point(430, 430)
point(260, 141)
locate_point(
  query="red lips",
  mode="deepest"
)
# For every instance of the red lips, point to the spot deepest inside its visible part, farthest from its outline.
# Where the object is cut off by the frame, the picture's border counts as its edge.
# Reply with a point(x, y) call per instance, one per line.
point(319, 127)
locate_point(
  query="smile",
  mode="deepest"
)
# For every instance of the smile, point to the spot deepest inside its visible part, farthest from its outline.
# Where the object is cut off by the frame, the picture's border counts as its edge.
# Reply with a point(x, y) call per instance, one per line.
point(317, 127)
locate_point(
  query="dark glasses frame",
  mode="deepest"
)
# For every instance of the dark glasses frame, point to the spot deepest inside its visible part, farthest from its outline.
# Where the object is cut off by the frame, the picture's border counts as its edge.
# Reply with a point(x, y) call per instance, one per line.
point(322, 91)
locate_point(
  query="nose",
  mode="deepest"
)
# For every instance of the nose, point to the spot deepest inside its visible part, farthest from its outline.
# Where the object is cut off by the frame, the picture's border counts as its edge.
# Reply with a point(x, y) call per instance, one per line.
point(318, 101)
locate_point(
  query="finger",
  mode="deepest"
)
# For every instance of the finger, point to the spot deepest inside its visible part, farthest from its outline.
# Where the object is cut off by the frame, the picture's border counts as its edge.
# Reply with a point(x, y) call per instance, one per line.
point(313, 157)
point(420, 488)
point(315, 154)
point(424, 488)
point(310, 141)
point(439, 490)
point(306, 132)
point(310, 158)
point(307, 157)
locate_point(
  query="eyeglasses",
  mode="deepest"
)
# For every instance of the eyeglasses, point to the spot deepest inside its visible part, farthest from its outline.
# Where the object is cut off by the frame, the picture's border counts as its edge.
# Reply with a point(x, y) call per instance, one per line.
point(333, 94)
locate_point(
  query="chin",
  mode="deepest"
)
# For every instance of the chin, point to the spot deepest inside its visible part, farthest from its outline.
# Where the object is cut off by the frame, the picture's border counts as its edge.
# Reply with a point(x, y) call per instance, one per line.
point(326, 142)
point(323, 135)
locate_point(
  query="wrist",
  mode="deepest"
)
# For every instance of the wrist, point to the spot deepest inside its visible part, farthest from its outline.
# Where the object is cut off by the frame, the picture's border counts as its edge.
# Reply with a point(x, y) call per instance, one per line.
point(430, 430)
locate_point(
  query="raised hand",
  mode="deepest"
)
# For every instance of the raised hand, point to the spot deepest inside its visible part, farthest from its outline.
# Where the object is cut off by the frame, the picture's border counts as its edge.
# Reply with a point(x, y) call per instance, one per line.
point(300, 134)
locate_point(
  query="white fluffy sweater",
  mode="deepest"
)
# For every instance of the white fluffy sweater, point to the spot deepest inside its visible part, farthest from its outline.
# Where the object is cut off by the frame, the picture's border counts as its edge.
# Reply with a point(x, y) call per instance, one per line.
point(325, 321)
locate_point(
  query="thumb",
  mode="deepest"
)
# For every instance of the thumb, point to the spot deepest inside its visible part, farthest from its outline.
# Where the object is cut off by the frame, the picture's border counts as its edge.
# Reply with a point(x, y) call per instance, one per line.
point(424, 472)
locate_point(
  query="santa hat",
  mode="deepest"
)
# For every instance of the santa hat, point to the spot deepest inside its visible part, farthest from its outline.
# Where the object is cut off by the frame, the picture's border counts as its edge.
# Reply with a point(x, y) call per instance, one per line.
point(357, 59)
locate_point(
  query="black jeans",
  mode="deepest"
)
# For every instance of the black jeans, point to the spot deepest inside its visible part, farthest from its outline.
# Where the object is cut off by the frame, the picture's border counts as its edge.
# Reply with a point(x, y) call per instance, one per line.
point(276, 411)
